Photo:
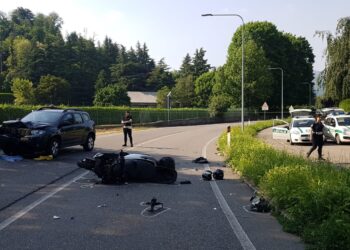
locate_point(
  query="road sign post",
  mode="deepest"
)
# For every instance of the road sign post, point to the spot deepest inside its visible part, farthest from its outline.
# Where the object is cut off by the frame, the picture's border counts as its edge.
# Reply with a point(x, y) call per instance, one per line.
point(265, 108)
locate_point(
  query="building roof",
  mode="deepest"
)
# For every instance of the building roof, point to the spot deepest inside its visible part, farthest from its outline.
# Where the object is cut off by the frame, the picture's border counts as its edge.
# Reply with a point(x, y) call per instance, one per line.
point(142, 97)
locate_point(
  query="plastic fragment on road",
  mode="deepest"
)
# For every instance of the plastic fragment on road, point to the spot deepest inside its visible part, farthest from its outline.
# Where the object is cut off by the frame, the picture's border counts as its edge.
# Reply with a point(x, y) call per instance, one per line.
point(11, 158)
point(102, 205)
point(44, 158)
point(185, 182)
point(55, 217)
point(200, 160)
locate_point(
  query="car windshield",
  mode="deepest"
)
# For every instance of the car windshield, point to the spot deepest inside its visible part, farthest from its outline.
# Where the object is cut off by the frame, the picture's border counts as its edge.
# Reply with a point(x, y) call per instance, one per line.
point(344, 121)
point(302, 123)
point(42, 117)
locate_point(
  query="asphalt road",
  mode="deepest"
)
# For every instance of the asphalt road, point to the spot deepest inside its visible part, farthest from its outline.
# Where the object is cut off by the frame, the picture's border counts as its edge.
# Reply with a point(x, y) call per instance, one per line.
point(338, 154)
point(55, 205)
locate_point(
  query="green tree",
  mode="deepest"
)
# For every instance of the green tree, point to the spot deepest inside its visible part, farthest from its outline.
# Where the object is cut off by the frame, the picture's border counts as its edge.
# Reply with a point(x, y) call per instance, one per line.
point(186, 67)
point(257, 79)
point(203, 87)
point(199, 64)
point(52, 90)
point(336, 75)
point(162, 97)
point(112, 95)
point(160, 76)
point(219, 104)
point(19, 62)
point(292, 54)
point(183, 92)
point(23, 91)
point(102, 80)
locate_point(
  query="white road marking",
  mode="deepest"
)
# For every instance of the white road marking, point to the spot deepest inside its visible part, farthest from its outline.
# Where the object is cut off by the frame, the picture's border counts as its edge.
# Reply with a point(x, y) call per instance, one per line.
point(236, 227)
point(25, 210)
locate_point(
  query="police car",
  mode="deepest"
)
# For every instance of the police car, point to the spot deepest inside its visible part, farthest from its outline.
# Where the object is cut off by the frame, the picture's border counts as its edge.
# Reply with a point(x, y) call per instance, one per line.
point(300, 129)
point(337, 128)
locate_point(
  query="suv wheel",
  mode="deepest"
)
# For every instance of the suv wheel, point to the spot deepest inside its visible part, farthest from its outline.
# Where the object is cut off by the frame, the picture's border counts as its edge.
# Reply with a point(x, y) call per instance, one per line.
point(90, 143)
point(53, 147)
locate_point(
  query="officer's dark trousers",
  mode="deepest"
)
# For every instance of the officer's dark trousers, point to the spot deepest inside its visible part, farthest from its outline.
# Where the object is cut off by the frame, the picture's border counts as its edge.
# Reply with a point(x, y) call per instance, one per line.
point(127, 132)
point(317, 141)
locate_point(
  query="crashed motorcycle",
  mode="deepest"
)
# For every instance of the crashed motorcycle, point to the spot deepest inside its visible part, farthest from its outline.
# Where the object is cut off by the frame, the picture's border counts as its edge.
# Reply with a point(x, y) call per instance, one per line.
point(119, 168)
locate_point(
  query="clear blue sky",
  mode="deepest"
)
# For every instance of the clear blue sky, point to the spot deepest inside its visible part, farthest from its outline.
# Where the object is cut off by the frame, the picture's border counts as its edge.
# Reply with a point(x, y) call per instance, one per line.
point(173, 28)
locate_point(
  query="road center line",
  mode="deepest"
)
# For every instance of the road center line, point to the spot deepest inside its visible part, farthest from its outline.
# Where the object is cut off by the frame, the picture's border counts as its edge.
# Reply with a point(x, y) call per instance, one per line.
point(236, 227)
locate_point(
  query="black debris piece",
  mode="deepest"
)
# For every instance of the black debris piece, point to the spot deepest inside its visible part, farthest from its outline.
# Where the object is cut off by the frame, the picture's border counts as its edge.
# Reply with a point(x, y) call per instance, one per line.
point(200, 160)
point(153, 203)
point(207, 175)
point(185, 182)
point(218, 174)
point(259, 204)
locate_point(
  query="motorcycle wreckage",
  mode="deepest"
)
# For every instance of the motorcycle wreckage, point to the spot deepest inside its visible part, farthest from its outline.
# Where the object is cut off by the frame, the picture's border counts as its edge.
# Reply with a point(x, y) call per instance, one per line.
point(115, 168)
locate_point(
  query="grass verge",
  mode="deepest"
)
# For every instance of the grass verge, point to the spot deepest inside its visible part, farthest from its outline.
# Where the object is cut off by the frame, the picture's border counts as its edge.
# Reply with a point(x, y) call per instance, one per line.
point(310, 199)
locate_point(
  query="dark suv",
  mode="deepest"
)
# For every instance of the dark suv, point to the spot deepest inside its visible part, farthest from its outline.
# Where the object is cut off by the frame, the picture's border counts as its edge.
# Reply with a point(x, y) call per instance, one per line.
point(46, 131)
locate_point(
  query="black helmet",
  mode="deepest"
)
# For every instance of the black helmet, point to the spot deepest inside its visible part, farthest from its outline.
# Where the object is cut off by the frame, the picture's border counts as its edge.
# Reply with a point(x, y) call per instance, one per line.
point(218, 174)
point(207, 175)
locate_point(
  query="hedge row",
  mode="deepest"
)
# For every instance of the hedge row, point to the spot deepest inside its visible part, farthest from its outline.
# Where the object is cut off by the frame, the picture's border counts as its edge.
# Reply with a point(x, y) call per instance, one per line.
point(113, 115)
point(310, 199)
point(7, 98)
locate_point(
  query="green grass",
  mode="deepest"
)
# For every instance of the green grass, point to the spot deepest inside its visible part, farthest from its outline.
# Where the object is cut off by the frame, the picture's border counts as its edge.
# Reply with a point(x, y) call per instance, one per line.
point(310, 199)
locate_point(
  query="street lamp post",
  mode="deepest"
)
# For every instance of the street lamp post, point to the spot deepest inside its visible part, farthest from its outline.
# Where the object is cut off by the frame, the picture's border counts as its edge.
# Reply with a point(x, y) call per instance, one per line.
point(242, 88)
point(308, 83)
point(168, 104)
point(281, 88)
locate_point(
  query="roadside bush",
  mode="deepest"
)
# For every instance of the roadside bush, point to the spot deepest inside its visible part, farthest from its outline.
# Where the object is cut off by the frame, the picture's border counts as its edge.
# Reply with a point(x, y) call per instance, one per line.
point(345, 104)
point(310, 199)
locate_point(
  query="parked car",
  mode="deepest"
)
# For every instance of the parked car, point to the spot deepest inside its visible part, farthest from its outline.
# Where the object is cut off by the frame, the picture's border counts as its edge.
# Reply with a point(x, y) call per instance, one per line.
point(337, 128)
point(330, 111)
point(300, 130)
point(46, 130)
point(301, 112)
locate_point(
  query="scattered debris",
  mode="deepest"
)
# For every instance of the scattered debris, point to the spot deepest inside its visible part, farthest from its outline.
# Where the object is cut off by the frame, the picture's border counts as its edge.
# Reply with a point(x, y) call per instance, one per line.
point(44, 158)
point(259, 204)
point(155, 208)
point(200, 160)
point(11, 158)
point(55, 217)
point(214, 208)
point(218, 174)
point(207, 175)
point(185, 182)
point(102, 205)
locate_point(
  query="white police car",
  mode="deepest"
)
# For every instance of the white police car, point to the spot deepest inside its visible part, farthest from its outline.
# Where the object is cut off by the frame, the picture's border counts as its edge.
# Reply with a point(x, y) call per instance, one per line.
point(300, 130)
point(337, 128)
